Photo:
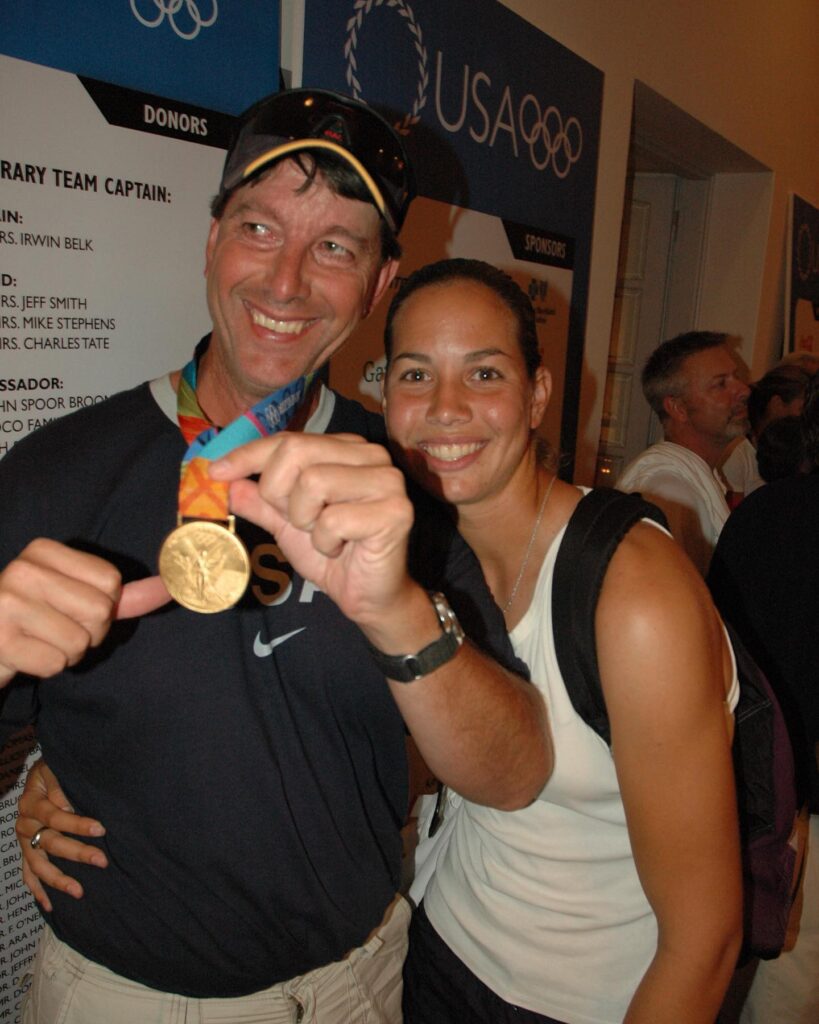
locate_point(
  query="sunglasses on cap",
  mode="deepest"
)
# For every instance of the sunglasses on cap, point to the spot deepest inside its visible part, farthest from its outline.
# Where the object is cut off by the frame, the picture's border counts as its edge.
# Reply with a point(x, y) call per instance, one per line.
point(313, 119)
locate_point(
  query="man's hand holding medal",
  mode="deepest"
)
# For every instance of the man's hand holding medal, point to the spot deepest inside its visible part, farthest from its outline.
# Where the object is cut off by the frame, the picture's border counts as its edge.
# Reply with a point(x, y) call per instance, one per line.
point(335, 504)
point(338, 509)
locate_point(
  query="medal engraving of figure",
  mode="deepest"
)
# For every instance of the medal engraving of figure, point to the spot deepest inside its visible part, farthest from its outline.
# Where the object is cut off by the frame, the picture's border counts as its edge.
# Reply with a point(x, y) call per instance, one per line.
point(204, 565)
point(203, 562)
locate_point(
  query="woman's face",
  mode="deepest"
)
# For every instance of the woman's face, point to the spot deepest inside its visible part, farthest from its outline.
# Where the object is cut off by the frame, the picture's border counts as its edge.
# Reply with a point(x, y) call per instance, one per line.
point(458, 403)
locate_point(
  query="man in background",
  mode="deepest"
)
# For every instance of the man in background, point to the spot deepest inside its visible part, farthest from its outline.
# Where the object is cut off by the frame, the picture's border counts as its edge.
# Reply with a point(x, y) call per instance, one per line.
point(691, 383)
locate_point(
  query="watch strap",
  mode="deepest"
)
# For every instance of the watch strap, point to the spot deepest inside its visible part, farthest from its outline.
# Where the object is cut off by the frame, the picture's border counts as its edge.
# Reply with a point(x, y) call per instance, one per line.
point(407, 668)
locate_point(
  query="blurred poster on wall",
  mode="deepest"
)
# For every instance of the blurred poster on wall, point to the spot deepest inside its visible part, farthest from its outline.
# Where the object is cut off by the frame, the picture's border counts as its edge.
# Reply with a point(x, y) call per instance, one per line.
point(502, 126)
point(102, 234)
point(802, 302)
point(109, 155)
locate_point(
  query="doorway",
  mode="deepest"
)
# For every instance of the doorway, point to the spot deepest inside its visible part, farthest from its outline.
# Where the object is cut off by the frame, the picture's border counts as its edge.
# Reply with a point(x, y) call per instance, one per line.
point(695, 220)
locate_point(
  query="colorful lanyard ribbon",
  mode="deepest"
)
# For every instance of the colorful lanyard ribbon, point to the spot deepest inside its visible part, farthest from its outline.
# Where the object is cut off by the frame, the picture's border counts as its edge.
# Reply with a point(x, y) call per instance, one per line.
point(200, 497)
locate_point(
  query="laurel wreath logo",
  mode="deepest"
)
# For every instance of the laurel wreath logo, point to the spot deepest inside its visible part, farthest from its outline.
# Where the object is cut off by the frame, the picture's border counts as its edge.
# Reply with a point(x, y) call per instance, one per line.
point(551, 141)
point(362, 8)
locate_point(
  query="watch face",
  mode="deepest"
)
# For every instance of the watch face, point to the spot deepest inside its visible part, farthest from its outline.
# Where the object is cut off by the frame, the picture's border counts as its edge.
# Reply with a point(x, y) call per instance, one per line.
point(446, 616)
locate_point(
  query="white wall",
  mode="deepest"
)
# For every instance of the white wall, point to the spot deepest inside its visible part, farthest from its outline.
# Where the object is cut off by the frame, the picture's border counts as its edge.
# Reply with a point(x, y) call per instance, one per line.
point(745, 68)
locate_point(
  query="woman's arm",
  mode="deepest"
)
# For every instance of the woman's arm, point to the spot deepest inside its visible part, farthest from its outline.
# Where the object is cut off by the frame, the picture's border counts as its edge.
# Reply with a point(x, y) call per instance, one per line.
point(665, 668)
point(43, 808)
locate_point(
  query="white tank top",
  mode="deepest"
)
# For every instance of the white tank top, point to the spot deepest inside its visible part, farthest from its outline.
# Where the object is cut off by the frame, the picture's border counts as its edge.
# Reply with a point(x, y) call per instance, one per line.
point(544, 905)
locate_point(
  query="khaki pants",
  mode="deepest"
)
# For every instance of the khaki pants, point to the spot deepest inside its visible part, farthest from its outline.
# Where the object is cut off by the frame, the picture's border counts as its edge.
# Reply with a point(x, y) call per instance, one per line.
point(363, 988)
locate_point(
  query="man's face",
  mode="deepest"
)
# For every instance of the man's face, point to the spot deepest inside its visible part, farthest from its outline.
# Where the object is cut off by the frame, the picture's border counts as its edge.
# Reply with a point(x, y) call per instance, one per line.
point(289, 275)
point(715, 400)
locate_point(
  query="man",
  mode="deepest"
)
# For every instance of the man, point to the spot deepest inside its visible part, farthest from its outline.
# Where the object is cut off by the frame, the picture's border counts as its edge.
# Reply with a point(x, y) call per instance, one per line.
point(248, 766)
point(691, 382)
point(763, 578)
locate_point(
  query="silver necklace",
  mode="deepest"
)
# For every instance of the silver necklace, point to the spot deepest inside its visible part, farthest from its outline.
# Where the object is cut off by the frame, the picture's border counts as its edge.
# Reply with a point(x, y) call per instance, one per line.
point(525, 561)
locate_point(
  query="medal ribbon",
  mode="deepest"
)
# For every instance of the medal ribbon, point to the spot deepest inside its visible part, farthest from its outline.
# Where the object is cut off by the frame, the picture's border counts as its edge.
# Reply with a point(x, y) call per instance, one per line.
point(200, 497)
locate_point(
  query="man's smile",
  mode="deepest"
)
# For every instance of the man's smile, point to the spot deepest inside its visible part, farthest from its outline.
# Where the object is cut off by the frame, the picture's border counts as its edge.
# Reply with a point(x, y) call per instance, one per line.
point(269, 323)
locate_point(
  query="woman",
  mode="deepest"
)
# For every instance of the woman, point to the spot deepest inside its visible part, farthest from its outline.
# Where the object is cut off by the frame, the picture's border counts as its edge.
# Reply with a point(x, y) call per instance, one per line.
point(616, 894)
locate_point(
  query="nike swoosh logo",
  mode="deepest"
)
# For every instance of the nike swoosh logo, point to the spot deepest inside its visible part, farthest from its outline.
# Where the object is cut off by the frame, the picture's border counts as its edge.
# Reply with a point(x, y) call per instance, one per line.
point(263, 650)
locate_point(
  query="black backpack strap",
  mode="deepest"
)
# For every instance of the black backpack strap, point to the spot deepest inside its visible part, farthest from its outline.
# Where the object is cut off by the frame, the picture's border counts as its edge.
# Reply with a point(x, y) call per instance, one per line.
point(599, 522)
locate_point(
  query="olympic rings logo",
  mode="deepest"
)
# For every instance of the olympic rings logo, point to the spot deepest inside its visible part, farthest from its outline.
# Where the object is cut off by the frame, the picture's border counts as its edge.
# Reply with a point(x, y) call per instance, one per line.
point(560, 143)
point(171, 8)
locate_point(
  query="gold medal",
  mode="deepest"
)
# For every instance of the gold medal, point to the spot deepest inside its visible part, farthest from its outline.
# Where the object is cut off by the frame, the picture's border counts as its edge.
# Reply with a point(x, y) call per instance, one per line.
point(204, 565)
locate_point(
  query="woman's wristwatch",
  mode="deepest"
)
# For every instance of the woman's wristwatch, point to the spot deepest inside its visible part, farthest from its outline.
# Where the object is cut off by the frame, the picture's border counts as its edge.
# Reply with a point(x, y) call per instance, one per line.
point(406, 668)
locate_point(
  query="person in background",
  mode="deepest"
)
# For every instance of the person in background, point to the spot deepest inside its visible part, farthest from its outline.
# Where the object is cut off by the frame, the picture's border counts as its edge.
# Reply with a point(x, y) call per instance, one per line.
point(763, 578)
point(780, 450)
point(692, 383)
point(807, 361)
point(779, 393)
point(248, 765)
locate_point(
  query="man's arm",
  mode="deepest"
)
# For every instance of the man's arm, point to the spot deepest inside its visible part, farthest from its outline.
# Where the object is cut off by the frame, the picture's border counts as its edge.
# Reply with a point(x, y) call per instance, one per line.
point(665, 668)
point(57, 602)
point(340, 513)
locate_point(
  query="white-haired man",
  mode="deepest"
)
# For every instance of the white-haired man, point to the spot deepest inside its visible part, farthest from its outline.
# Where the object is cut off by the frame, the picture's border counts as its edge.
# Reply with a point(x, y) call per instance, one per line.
point(693, 385)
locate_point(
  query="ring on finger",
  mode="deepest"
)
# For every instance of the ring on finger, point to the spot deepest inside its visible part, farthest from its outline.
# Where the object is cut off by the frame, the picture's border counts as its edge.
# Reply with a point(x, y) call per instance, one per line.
point(35, 839)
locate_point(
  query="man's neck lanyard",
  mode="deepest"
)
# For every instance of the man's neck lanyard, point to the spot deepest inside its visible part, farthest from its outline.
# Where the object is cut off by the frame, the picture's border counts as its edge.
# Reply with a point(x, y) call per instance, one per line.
point(202, 562)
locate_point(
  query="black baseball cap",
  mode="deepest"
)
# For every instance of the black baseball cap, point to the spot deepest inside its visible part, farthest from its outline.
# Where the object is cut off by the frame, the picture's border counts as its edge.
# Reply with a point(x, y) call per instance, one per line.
point(303, 119)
